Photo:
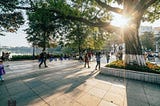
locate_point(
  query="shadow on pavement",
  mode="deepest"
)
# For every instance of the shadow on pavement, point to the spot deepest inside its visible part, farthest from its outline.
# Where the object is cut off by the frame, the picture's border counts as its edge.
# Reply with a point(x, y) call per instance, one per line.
point(37, 85)
point(134, 92)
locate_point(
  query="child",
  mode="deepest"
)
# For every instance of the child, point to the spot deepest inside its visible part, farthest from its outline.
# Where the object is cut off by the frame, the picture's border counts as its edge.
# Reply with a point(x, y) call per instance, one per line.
point(2, 71)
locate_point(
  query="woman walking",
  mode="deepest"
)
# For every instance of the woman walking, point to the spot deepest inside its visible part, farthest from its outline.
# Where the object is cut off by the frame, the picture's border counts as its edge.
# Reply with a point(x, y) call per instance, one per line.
point(98, 59)
point(86, 60)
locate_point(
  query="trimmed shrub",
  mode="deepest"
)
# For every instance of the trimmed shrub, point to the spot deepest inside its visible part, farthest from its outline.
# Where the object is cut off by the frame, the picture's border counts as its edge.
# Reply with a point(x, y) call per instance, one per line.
point(22, 57)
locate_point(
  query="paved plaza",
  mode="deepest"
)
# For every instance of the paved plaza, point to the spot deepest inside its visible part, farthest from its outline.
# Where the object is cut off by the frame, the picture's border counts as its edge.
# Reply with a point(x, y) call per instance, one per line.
point(68, 83)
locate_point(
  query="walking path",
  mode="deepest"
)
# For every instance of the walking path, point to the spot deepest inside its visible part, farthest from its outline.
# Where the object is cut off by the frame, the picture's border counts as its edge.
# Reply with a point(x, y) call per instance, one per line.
point(68, 83)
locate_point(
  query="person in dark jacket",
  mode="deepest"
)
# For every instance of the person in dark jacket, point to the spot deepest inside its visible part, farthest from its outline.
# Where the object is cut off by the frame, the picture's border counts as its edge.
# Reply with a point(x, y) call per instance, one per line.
point(107, 57)
point(43, 58)
point(98, 60)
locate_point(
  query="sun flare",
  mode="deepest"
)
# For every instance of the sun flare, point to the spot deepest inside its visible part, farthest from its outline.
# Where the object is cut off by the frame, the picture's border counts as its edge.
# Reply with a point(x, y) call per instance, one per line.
point(120, 21)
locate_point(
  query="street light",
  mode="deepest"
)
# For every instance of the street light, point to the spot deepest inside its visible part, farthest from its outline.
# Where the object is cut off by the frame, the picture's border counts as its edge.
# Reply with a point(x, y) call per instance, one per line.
point(157, 36)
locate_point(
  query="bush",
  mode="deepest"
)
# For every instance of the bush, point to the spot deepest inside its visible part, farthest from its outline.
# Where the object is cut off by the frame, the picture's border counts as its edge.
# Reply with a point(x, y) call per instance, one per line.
point(116, 64)
point(30, 57)
point(22, 57)
point(150, 67)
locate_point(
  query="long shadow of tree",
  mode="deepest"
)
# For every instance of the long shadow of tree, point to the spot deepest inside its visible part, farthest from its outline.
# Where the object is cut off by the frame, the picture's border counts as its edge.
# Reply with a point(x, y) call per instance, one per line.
point(37, 85)
point(138, 93)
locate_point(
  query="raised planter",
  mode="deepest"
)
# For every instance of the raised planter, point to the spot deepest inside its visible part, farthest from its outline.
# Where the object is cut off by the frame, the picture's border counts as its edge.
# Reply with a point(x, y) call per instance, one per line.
point(136, 75)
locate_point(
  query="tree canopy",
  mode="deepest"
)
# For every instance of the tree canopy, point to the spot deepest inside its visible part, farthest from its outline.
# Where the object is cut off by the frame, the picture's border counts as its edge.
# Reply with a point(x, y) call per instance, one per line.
point(92, 12)
point(10, 19)
point(95, 13)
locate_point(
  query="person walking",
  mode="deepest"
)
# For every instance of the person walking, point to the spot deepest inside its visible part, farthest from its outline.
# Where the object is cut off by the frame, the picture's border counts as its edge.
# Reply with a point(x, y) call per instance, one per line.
point(61, 57)
point(98, 59)
point(107, 57)
point(80, 58)
point(2, 71)
point(86, 60)
point(3, 56)
point(43, 58)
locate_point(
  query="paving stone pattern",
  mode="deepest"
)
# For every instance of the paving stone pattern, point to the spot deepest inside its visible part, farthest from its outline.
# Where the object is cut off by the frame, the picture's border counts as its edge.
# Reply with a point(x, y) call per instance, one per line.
point(68, 83)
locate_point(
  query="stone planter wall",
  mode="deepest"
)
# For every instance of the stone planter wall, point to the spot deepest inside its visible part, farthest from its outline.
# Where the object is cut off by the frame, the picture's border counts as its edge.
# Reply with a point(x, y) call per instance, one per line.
point(142, 76)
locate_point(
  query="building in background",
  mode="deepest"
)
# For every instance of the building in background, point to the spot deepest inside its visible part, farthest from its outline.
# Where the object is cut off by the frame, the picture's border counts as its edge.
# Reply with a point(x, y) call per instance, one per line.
point(144, 29)
point(156, 32)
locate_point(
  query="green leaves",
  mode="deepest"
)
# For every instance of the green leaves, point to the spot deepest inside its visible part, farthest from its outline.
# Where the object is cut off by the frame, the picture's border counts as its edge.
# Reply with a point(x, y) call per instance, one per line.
point(10, 19)
point(148, 40)
point(10, 22)
point(44, 24)
point(152, 13)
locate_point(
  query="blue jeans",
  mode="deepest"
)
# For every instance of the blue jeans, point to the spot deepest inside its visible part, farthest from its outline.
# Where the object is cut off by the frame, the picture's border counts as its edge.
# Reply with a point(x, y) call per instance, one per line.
point(98, 64)
point(1, 78)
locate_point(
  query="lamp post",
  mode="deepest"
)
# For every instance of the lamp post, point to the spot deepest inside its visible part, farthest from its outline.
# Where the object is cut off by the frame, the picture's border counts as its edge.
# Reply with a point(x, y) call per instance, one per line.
point(34, 49)
point(157, 35)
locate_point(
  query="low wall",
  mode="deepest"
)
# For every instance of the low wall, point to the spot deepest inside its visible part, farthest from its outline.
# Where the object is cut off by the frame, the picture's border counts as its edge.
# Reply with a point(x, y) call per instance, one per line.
point(136, 75)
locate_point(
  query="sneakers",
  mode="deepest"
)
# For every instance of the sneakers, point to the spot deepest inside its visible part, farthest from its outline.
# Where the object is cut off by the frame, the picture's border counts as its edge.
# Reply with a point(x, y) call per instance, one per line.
point(45, 66)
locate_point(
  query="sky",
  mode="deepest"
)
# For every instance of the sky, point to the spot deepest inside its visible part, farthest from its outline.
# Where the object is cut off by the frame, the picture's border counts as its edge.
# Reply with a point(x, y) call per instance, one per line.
point(18, 39)
point(119, 20)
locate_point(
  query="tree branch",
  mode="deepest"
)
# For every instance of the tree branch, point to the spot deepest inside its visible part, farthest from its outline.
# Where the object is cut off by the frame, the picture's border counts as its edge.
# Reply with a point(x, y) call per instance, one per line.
point(149, 3)
point(113, 9)
point(104, 25)
point(96, 14)
point(31, 3)
point(140, 5)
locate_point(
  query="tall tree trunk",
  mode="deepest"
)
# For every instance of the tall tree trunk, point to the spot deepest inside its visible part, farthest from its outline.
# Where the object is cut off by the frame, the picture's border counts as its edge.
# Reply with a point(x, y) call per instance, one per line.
point(44, 41)
point(33, 51)
point(79, 39)
point(133, 49)
point(79, 49)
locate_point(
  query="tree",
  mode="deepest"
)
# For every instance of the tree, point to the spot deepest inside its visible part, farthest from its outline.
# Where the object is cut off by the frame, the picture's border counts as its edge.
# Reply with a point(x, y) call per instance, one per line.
point(38, 27)
point(82, 37)
point(76, 37)
point(95, 40)
point(41, 29)
point(112, 41)
point(96, 13)
point(10, 19)
point(135, 11)
point(148, 41)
